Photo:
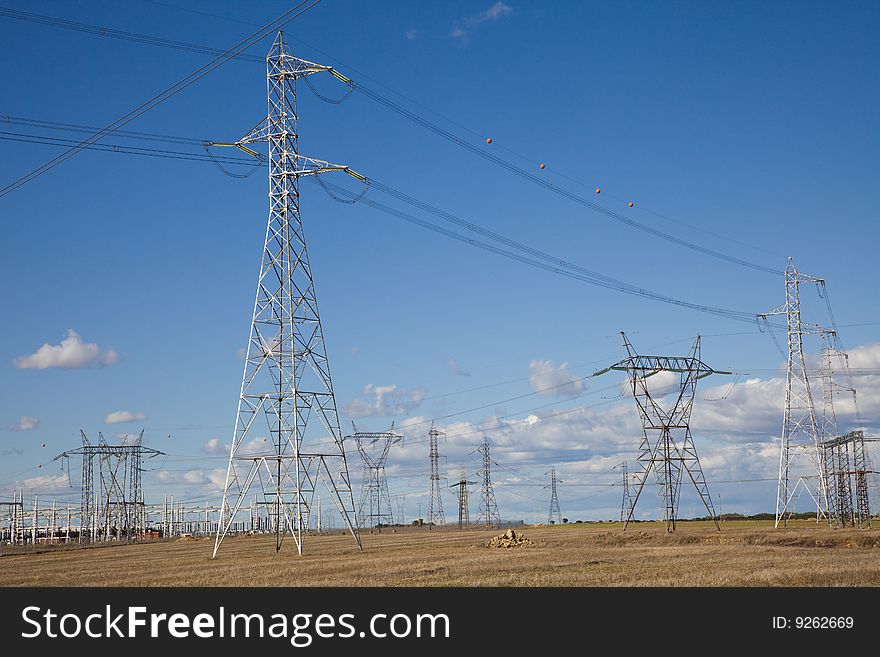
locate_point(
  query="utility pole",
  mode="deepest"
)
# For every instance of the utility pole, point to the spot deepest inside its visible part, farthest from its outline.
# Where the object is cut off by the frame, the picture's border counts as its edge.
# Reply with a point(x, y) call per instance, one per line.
point(667, 447)
point(463, 512)
point(487, 514)
point(800, 430)
point(555, 515)
point(435, 499)
point(286, 380)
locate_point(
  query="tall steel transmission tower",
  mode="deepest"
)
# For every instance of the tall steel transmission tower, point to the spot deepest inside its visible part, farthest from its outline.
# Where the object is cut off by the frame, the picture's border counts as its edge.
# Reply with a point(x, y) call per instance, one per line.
point(667, 447)
point(487, 514)
point(800, 430)
point(626, 501)
point(435, 496)
point(286, 379)
point(555, 515)
point(464, 520)
point(375, 507)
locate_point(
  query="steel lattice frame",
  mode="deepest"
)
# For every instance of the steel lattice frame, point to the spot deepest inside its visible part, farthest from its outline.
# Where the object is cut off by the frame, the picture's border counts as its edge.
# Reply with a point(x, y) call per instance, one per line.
point(626, 500)
point(286, 378)
point(555, 515)
point(112, 499)
point(667, 447)
point(487, 514)
point(375, 505)
point(800, 430)
point(464, 517)
point(435, 495)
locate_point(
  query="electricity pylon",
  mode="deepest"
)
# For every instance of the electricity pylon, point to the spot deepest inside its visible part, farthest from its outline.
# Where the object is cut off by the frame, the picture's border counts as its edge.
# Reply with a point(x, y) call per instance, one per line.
point(375, 506)
point(435, 496)
point(555, 515)
point(112, 496)
point(626, 500)
point(800, 430)
point(667, 447)
point(843, 456)
point(487, 514)
point(464, 520)
point(286, 379)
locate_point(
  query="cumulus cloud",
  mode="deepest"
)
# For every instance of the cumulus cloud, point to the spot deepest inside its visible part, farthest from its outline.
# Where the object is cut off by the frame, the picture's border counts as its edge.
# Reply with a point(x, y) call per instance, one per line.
point(464, 27)
point(455, 368)
point(55, 483)
point(24, 423)
point(384, 401)
point(117, 417)
point(547, 378)
point(210, 481)
point(71, 354)
point(15, 451)
point(214, 447)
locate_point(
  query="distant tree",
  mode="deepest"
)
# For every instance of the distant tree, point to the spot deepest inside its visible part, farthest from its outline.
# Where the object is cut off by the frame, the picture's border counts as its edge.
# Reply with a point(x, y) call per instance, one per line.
point(565, 521)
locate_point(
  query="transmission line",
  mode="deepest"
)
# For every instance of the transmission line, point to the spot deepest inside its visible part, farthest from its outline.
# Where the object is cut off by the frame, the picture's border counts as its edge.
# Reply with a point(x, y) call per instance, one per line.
point(402, 111)
point(164, 95)
point(534, 257)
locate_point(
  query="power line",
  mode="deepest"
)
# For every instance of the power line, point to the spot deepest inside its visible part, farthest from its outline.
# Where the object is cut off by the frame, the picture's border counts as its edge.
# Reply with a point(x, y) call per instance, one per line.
point(536, 257)
point(164, 95)
point(127, 150)
point(561, 266)
point(412, 116)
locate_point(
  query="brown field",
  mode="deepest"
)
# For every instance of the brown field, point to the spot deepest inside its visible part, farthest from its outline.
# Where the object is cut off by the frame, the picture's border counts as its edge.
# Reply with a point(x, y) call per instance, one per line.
point(745, 553)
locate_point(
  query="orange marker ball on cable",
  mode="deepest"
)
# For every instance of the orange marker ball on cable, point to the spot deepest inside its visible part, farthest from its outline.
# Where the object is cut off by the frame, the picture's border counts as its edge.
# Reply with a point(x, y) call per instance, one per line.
point(542, 165)
point(598, 191)
point(631, 204)
point(488, 140)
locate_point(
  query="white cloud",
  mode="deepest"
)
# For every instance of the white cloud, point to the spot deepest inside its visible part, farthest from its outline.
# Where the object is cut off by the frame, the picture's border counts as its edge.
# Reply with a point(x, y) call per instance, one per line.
point(411, 34)
point(42, 484)
point(71, 354)
point(546, 378)
point(386, 401)
point(455, 368)
point(463, 28)
point(24, 423)
point(209, 481)
point(118, 417)
point(214, 446)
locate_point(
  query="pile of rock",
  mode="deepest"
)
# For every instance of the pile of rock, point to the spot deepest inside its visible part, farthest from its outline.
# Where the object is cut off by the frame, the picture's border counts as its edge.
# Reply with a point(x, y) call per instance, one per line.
point(508, 539)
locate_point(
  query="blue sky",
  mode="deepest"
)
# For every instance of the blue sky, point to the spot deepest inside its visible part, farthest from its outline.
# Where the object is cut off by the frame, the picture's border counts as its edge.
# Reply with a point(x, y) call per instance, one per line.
point(751, 121)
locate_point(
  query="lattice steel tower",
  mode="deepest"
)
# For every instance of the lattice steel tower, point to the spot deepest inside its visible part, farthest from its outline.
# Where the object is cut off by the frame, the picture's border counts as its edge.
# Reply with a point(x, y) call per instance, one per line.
point(800, 430)
point(487, 514)
point(555, 515)
point(667, 447)
point(464, 520)
point(626, 500)
point(112, 498)
point(286, 387)
point(435, 496)
point(375, 507)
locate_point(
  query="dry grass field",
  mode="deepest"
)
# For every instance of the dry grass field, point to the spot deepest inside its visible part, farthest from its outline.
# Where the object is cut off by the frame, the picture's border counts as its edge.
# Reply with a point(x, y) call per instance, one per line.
point(745, 553)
